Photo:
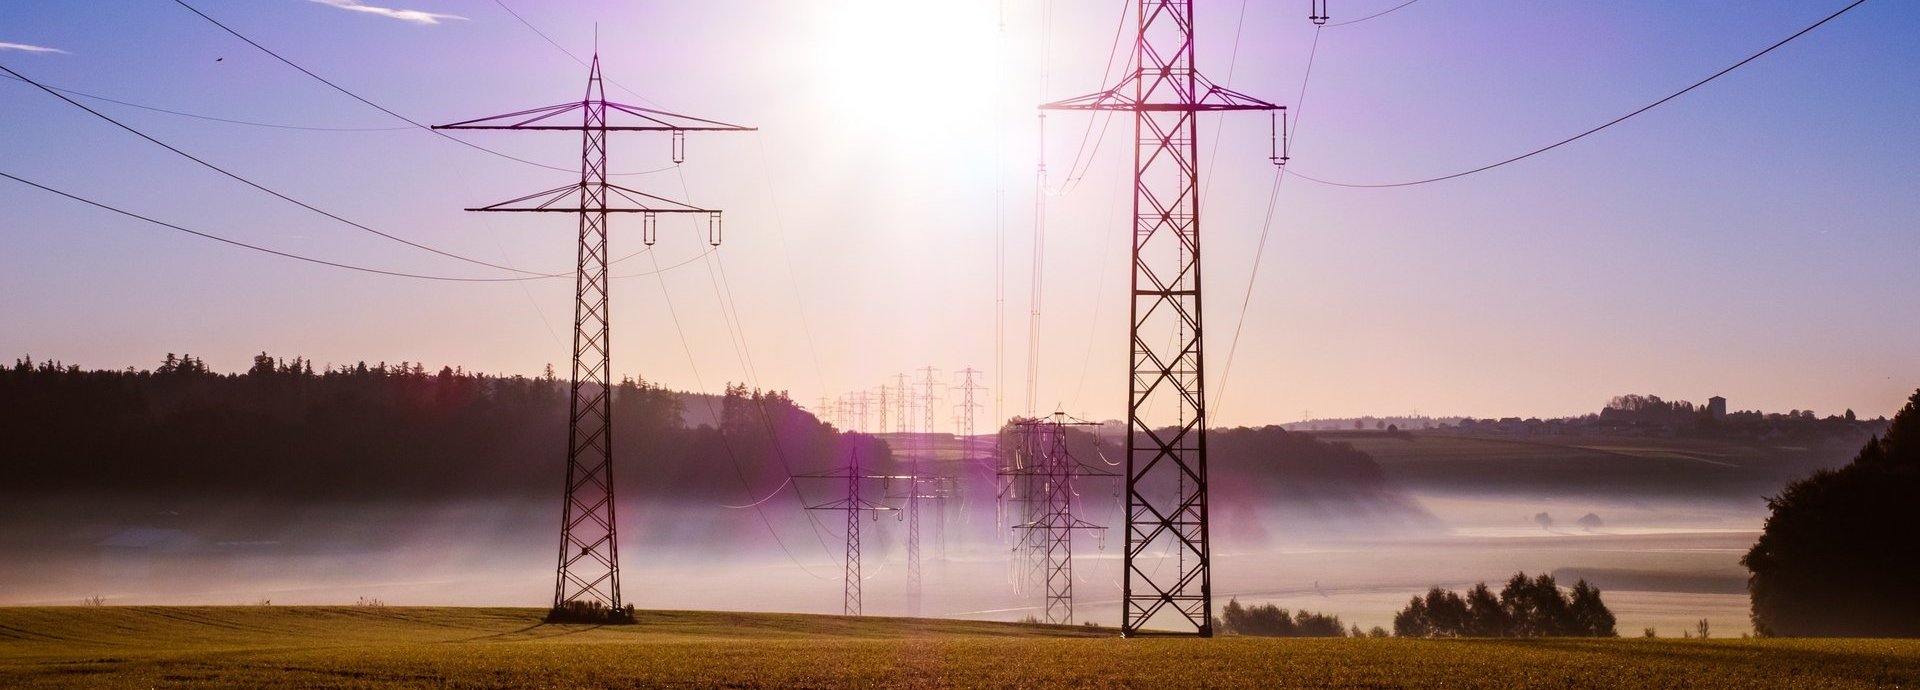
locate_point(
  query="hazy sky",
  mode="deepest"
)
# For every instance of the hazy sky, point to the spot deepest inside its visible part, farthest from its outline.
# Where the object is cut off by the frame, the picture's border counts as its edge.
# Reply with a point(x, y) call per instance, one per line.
point(1753, 239)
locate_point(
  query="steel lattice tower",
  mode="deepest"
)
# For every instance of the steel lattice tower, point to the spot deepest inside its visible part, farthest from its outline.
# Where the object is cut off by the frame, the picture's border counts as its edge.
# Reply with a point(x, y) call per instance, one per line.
point(853, 505)
point(1166, 463)
point(969, 446)
point(967, 407)
point(927, 393)
point(588, 575)
point(900, 401)
point(913, 539)
point(1050, 532)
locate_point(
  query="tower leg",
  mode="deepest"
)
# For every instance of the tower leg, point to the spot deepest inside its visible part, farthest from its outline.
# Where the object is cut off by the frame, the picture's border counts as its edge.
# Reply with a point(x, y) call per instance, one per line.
point(1166, 412)
point(587, 582)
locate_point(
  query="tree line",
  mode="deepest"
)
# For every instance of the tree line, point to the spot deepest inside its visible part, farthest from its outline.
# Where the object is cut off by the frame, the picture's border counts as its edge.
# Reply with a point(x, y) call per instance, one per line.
point(1526, 607)
point(286, 429)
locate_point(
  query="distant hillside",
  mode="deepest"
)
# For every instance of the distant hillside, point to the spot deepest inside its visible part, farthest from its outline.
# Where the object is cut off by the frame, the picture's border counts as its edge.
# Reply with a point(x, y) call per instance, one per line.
point(364, 453)
point(1597, 465)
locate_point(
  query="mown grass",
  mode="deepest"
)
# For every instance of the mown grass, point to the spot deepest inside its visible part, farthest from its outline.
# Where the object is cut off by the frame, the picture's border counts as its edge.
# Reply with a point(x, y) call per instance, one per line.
point(248, 647)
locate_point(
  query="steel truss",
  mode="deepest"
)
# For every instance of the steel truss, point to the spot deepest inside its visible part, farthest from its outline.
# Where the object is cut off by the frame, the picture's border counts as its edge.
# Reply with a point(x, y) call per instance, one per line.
point(588, 576)
point(1166, 463)
point(1050, 471)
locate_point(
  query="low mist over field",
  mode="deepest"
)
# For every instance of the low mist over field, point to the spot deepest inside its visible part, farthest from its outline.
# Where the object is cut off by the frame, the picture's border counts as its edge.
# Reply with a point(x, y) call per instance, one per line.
point(414, 487)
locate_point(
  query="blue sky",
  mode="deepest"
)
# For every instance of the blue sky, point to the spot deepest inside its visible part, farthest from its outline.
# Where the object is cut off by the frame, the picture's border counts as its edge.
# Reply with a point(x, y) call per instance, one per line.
point(1752, 239)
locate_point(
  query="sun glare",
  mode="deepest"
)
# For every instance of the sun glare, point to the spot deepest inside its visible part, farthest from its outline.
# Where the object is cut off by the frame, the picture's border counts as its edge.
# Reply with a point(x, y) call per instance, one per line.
point(915, 74)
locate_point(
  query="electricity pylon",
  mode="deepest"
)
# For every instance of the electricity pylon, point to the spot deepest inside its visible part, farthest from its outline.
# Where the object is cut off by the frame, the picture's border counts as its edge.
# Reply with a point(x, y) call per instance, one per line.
point(967, 408)
point(853, 505)
point(1166, 404)
point(927, 392)
point(1018, 501)
point(859, 410)
point(969, 446)
point(1055, 471)
point(899, 400)
point(920, 487)
point(588, 576)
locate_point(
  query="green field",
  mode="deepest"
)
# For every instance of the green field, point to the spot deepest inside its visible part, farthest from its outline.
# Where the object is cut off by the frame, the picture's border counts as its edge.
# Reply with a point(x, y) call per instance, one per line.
point(248, 647)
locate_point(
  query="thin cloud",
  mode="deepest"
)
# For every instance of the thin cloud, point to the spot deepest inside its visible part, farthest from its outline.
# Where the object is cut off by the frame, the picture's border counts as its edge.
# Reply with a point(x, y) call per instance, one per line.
point(415, 16)
point(31, 49)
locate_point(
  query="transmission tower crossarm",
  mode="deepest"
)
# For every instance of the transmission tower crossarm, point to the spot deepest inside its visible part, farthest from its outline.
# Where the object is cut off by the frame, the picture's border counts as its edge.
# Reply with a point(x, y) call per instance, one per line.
point(1166, 463)
point(537, 120)
point(547, 201)
point(587, 579)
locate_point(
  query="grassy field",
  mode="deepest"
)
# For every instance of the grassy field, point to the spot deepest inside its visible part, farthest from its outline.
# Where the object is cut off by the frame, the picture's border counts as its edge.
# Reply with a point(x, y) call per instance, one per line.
point(248, 647)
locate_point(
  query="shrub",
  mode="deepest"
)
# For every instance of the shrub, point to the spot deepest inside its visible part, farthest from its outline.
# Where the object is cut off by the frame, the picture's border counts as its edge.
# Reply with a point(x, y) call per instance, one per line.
point(1526, 607)
point(1272, 621)
point(1837, 555)
point(577, 611)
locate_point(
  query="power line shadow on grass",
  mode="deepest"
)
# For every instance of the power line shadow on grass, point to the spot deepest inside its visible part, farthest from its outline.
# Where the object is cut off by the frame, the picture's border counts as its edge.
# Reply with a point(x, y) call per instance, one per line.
point(563, 631)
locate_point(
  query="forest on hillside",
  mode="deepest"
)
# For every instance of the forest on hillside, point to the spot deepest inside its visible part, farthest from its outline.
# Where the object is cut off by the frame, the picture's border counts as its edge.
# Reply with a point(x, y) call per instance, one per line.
point(284, 435)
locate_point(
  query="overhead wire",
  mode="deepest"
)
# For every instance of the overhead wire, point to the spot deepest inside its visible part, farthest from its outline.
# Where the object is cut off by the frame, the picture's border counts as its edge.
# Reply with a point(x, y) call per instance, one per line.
point(300, 257)
point(576, 58)
point(1072, 180)
point(198, 116)
point(725, 443)
point(1381, 13)
point(1266, 229)
point(254, 247)
point(382, 108)
point(1583, 135)
point(264, 188)
point(793, 279)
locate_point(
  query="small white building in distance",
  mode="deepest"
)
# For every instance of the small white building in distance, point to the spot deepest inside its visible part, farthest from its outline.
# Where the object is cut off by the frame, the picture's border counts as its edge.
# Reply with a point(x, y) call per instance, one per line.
point(1717, 406)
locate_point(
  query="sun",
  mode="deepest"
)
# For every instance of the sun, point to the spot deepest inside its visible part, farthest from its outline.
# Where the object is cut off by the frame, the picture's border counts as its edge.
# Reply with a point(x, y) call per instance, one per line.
point(910, 72)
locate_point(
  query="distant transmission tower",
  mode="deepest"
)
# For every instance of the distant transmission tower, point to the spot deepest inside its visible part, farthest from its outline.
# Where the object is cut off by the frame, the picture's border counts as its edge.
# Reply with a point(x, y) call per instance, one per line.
point(1055, 471)
point(588, 576)
point(967, 408)
point(919, 487)
point(1166, 404)
point(969, 444)
point(1019, 500)
point(853, 505)
point(860, 411)
point(927, 393)
point(900, 398)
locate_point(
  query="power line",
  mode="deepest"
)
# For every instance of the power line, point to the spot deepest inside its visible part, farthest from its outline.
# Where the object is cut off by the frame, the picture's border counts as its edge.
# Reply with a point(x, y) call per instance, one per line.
point(780, 230)
point(324, 262)
point(1266, 228)
point(198, 116)
point(263, 188)
point(382, 108)
point(258, 248)
point(727, 445)
point(576, 58)
point(1073, 179)
point(1582, 135)
point(1382, 13)
point(737, 335)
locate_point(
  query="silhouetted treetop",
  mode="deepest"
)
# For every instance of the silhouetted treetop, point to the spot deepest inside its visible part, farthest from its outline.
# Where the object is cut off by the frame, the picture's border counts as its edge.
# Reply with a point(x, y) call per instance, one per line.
point(1838, 553)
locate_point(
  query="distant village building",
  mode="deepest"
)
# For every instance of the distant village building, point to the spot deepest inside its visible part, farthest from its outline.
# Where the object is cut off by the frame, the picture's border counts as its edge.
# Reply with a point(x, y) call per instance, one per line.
point(1717, 406)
